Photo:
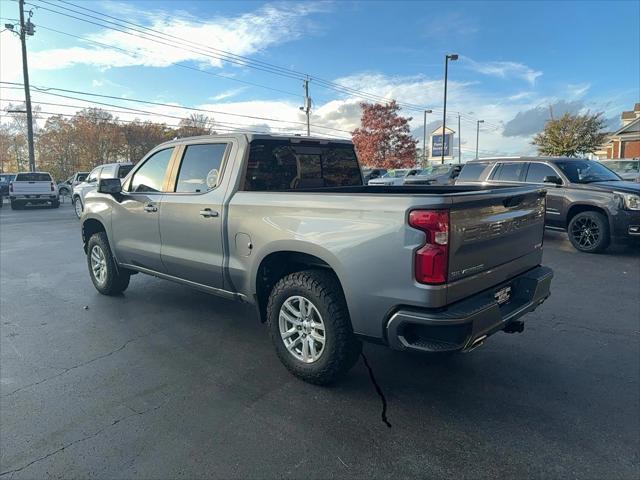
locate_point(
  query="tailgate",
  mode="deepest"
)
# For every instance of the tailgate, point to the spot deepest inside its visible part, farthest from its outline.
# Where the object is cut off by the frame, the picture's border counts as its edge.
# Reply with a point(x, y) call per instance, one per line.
point(32, 188)
point(493, 228)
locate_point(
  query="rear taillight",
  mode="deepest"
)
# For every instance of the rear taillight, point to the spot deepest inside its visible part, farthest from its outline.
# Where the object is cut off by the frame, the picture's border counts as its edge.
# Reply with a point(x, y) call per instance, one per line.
point(432, 259)
point(52, 188)
point(11, 187)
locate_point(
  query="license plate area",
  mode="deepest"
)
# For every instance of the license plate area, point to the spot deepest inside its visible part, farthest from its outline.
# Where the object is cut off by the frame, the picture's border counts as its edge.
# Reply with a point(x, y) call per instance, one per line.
point(503, 295)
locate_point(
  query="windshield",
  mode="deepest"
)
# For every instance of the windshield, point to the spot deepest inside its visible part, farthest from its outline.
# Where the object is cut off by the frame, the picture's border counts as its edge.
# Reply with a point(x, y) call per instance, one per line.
point(435, 170)
point(395, 173)
point(586, 171)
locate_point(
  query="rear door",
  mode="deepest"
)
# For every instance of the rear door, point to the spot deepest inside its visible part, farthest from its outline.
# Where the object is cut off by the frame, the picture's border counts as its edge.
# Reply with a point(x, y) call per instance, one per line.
point(135, 218)
point(495, 228)
point(192, 215)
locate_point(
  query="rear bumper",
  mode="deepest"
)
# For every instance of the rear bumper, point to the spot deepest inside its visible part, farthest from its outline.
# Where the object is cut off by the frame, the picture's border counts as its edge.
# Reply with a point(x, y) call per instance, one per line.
point(467, 323)
point(36, 197)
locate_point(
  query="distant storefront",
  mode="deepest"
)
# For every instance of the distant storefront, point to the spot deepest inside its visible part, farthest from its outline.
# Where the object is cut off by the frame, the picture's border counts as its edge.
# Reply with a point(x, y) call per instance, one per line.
point(624, 143)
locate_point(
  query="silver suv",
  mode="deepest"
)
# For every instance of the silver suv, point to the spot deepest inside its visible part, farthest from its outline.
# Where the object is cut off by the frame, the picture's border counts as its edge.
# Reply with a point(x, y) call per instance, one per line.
point(108, 170)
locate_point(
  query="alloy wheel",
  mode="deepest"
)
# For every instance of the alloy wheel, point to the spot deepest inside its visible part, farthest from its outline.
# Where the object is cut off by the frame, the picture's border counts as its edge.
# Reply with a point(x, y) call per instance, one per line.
point(98, 264)
point(585, 232)
point(302, 329)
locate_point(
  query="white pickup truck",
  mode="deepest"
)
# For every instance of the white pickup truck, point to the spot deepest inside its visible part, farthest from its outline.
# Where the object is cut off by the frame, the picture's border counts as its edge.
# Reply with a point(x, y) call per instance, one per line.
point(35, 188)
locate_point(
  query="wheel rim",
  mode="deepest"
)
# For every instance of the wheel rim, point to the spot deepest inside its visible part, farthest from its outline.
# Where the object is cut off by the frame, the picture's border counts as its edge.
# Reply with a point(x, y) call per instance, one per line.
point(302, 329)
point(98, 264)
point(78, 206)
point(585, 232)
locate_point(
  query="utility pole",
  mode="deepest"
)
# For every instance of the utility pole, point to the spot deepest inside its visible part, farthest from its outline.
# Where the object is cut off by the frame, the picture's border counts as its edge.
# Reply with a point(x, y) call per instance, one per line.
point(478, 135)
point(453, 57)
point(27, 29)
point(307, 106)
point(459, 142)
point(424, 139)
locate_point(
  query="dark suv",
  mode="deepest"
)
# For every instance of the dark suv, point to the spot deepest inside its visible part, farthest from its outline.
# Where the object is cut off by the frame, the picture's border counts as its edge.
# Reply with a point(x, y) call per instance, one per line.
point(587, 200)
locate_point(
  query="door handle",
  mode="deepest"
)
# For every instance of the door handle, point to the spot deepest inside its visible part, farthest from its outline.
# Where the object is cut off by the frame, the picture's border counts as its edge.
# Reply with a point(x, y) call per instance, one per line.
point(150, 208)
point(208, 213)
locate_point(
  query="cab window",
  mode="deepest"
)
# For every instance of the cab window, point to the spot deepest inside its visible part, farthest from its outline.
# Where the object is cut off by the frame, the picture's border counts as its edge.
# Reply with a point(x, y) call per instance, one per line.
point(537, 172)
point(150, 176)
point(200, 167)
point(509, 172)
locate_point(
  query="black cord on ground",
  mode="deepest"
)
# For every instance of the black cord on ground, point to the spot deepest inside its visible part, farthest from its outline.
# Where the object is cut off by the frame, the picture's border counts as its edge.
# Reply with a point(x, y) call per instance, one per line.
point(379, 390)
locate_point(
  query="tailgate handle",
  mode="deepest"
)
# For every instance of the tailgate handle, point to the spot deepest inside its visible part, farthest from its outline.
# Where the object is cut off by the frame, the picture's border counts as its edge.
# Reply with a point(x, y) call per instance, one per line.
point(513, 201)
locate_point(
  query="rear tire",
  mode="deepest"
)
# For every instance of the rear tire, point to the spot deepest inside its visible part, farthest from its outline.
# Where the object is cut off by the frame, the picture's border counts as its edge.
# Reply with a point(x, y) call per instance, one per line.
point(589, 232)
point(16, 205)
point(105, 274)
point(55, 204)
point(334, 343)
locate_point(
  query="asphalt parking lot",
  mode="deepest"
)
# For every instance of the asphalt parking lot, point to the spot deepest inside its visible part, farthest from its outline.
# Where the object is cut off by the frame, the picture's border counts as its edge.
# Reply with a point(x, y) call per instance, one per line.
point(167, 382)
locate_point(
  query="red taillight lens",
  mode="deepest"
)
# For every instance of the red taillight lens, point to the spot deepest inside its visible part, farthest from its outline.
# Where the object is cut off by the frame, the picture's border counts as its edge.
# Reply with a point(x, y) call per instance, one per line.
point(432, 259)
point(52, 188)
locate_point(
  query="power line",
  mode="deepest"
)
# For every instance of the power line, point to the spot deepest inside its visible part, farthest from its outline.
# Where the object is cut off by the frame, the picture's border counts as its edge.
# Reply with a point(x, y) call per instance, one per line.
point(161, 104)
point(224, 55)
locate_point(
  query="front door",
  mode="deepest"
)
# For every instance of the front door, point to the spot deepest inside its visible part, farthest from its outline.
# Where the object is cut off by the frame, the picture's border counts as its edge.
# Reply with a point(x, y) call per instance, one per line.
point(191, 217)
point(136, 228)
point(536, 174)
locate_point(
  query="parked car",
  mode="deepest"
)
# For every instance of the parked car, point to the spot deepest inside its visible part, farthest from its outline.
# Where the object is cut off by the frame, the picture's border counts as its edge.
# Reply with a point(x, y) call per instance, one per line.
point(90, 183)
point(286, 224)
point(66, 187)
point(371, 173)
point(588, 201)
point(626, 169)
point(435, 175)
point(394, 177)
point(34, 188)
point(5, 180)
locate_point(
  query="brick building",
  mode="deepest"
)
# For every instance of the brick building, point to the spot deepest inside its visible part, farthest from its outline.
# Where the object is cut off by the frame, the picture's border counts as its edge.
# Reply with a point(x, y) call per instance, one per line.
point(625, 142)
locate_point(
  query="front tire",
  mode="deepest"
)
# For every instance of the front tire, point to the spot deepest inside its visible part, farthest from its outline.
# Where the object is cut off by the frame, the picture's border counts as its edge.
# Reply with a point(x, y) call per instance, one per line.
point(310, 327)
point(589, 232)
point(105, 275)
point(77, 206)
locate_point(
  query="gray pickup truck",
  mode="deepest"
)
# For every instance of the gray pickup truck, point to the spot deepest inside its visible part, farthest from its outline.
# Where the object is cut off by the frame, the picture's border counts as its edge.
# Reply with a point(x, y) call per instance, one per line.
point(286, 224)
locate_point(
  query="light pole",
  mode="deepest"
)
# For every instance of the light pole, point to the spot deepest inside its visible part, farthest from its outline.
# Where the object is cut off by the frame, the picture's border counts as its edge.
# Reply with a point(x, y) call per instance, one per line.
point(424, 139)
point(453, 57)
point(478, 135)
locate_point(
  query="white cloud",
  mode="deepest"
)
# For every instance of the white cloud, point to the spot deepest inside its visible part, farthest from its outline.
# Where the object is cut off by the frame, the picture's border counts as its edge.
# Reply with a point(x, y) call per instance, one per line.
point(245, 34)
point(227, 94)
point(504, 69)
point(578, 90)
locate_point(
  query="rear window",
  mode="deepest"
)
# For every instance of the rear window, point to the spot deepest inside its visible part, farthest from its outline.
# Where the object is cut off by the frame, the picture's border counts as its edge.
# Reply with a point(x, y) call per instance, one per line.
point(33, 177)
point(472, 171)
point(124, 170)
point(282, 165)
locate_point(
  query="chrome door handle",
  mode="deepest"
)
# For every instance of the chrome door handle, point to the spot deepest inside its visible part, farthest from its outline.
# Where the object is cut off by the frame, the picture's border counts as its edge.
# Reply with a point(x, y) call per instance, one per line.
point(208, 213)
point(150, 208)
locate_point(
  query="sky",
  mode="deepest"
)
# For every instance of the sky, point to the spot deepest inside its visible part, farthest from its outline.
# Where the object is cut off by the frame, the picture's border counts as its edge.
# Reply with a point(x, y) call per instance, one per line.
point(519, 62)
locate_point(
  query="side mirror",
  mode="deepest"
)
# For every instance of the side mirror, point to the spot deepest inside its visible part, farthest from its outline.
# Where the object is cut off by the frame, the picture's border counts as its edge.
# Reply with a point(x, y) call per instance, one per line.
point(553, 179)
point(110, 186)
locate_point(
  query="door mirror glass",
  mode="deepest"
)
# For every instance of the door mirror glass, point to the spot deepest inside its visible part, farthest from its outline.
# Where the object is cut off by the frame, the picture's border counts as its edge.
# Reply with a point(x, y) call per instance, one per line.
point(553, 179)
point(110, 186)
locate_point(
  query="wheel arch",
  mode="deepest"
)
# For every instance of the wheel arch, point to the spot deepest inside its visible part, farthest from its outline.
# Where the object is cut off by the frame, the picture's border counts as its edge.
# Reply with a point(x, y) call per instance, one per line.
point(277, 264)
point(577, 208)
point(91, 226)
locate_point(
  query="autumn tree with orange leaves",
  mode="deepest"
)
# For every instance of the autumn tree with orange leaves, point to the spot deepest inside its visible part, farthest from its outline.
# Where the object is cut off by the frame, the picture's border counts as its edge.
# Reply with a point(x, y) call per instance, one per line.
point(384, 139)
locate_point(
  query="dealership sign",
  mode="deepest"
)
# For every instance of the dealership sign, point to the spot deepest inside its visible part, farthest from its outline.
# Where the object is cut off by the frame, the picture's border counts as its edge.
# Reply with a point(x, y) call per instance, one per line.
point(436, 145)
